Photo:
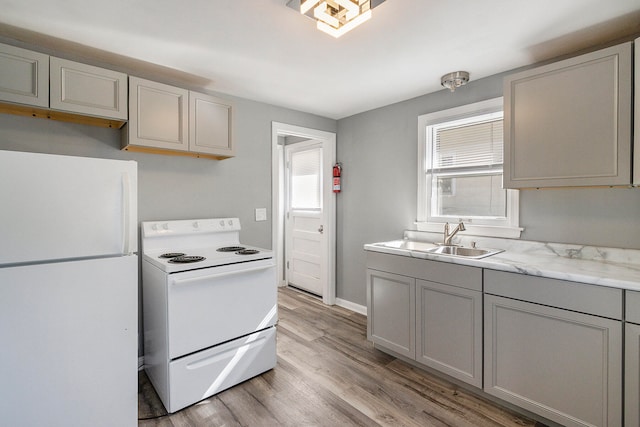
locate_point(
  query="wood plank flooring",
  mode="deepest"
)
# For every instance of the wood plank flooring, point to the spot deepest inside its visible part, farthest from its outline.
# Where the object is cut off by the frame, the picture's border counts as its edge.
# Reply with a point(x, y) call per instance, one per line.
point(328, 374)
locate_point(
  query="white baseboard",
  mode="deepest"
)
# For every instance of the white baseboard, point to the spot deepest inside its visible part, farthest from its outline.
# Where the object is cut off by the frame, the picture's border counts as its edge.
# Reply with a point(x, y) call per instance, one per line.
point(352, 306)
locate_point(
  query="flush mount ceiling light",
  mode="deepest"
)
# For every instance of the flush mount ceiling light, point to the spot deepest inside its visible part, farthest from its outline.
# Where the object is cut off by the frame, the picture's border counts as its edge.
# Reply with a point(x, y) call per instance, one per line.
point(336, 17)
point(454, 80)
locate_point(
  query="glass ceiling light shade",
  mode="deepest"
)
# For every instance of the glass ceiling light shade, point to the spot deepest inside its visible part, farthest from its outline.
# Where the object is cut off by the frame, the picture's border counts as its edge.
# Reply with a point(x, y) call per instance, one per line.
point(454, 80)
point(336, 17)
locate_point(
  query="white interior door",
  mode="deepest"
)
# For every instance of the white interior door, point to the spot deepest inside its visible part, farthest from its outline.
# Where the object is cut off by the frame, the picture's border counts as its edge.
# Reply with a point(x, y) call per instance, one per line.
point(305, 240)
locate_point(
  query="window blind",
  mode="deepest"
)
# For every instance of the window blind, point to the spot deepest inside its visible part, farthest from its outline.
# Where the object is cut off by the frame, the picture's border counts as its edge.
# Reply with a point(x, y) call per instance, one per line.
point(305, 179)
point(460, 146)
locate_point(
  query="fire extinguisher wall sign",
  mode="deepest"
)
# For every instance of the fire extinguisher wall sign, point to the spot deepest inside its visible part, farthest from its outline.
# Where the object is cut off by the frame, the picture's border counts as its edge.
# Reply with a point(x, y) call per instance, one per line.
point(337, 171)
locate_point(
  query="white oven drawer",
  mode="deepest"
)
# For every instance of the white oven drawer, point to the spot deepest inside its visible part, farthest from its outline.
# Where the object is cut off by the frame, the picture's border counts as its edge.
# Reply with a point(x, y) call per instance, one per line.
point(203, 374)
point(213, 305)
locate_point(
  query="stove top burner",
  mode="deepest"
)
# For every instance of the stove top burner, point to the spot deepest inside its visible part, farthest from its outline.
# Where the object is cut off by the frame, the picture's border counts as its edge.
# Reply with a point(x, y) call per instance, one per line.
point(186, 259)
point(248, 252)
point(171, 255)
point(230, 248)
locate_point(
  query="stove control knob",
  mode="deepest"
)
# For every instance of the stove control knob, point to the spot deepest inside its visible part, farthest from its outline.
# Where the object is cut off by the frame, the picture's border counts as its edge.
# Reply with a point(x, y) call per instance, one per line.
point(165, 226)
point(196, 225)
point(231, 222)
point(222, 223)
point(154, 227)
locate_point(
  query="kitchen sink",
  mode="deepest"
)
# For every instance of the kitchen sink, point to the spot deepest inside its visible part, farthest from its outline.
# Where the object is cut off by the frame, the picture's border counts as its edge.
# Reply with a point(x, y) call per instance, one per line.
point(459, 251)
point(439, 249)
point(408, 245)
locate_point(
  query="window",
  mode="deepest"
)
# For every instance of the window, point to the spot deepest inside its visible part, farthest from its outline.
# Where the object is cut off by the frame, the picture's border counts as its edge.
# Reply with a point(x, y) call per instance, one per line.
point(460, 171)
point(306, 184)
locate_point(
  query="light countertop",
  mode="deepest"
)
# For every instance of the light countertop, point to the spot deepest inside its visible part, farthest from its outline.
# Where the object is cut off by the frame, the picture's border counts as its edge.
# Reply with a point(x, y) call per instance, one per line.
point(612, 267)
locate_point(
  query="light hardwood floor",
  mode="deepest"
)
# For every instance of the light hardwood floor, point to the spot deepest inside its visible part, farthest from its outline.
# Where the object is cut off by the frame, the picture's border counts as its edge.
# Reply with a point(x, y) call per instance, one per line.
point(328, 374)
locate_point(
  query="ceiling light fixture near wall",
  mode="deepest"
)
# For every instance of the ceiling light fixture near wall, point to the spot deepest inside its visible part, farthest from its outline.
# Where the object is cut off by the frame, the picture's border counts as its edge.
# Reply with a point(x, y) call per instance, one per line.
point(336, 17)
point(454, 80)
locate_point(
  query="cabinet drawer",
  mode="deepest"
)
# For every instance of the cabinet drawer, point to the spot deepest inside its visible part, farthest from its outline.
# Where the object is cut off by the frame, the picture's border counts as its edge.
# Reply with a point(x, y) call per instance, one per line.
point(632, 310)
point(591, 299)
point(203, 374)
point(434, 271)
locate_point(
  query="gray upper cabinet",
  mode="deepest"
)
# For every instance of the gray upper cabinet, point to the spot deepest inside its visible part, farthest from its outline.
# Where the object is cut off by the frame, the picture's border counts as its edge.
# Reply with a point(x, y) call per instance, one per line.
point(636, 133)
point(170, 120)
point(24, 76)
point(158, 117)
point(210, 125)
point(569, 123)
point(87, 90)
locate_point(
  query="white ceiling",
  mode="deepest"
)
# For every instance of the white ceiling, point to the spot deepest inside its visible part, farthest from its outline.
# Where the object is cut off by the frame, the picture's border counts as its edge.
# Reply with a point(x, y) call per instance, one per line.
point(265, 51)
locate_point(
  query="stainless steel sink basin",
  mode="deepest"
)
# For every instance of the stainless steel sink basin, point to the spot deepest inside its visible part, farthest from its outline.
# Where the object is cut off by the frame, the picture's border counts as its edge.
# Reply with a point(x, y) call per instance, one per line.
point(459, 251)
point(408, 245)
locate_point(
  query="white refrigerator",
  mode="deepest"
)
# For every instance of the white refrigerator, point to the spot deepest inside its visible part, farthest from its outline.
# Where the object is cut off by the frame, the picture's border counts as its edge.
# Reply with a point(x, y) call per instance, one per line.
point(68, 291)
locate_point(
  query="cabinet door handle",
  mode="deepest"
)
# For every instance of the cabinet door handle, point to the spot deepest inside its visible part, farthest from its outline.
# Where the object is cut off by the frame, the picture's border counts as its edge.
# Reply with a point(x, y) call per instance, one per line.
point(321, 229)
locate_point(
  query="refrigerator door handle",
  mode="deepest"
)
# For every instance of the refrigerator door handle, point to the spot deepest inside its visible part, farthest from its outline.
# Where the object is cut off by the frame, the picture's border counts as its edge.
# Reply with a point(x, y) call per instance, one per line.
point(126, 213)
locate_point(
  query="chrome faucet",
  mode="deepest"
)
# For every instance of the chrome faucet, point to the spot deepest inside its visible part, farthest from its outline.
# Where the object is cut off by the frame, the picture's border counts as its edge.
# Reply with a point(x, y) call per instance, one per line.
point(448, 236)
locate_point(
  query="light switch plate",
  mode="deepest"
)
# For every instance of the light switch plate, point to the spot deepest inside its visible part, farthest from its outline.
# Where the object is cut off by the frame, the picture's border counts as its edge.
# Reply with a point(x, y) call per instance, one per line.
point(261, 214)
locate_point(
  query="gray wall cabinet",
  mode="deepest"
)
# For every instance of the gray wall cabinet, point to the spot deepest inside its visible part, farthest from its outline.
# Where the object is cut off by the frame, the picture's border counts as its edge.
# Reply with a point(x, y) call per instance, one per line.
point(170, 120)
point(569, 123)
point(560, 364)
point(210, 125)
point(632, 360)
point(428, 311)
point(636, 120)
point(87, 90)
point(24, 76)
point(159, 116)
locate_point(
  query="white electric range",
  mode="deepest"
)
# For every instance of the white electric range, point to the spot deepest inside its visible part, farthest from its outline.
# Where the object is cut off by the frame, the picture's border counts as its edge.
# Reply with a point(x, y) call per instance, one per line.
point(209, 308)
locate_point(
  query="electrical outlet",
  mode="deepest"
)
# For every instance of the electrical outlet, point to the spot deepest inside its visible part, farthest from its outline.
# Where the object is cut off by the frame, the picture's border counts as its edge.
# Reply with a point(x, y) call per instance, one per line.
point(261, 214)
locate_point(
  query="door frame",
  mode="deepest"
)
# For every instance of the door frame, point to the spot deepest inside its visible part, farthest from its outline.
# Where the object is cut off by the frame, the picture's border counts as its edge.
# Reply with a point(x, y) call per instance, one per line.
point(328, 140)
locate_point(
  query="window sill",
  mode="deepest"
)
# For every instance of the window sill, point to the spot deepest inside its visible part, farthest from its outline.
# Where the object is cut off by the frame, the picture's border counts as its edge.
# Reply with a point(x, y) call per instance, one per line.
point(475, 230)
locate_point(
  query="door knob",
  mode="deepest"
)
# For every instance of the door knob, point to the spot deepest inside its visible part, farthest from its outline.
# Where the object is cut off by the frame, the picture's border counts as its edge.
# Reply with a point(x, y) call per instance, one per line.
point(321, 229)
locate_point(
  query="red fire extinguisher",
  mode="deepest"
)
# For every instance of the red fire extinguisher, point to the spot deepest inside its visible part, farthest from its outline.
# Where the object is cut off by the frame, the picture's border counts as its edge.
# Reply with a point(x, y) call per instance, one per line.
point(337, 170)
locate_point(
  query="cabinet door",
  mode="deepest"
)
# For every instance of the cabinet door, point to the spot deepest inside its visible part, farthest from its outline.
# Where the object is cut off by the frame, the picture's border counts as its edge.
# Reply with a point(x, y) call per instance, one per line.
point(210, 125)
point(449, 330)
point(158, 116)
point(24, 76)
point(569, 123)
point(88, 90)
point(632, 375)
point(391, 318)
point(562, 365)
point(636, 120)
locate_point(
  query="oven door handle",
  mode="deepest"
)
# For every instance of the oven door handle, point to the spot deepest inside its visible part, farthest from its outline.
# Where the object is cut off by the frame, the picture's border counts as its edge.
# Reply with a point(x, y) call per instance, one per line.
point(180, 282)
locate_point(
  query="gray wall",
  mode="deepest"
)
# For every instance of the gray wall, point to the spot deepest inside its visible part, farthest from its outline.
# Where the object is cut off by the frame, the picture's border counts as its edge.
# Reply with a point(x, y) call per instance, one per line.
point(378, 152)
point(180, 187)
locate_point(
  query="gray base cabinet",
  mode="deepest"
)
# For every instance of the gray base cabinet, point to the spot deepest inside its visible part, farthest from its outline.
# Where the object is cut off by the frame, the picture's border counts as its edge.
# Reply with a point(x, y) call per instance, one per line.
point(632, 360)
point(563, 365)
point(632, 375)
point(391, 317)
point(428, 311)
point(449, 332)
